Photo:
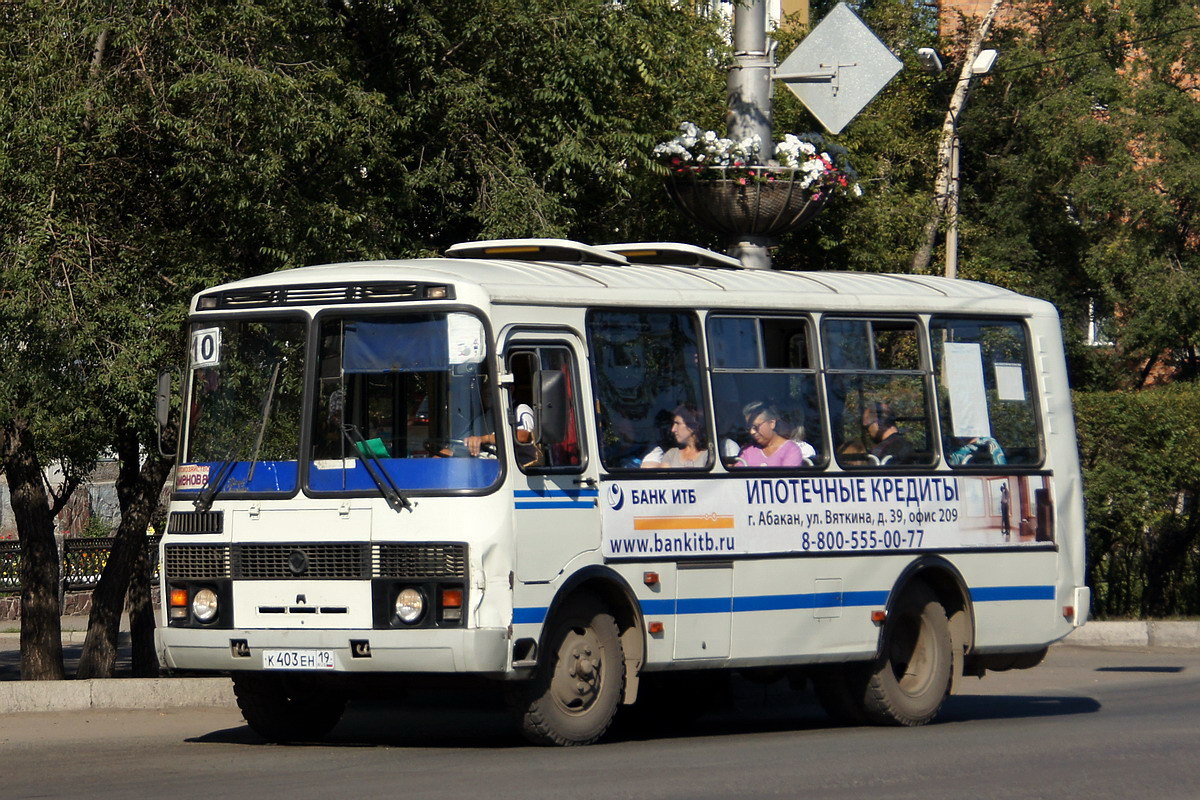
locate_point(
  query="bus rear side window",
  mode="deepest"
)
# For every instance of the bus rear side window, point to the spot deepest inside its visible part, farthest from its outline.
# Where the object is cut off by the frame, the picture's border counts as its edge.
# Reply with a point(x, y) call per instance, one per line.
point(985, 395)
point(646, 374)
point(878, 408)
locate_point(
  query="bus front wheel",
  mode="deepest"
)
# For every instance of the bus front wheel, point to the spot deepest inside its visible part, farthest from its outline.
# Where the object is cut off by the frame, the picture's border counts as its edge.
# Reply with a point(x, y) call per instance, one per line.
point(576, 690)
point(286, 708)
point(909, 680)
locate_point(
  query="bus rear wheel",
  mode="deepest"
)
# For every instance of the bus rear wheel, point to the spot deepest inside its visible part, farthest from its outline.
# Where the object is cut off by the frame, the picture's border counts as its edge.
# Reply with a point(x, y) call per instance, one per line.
point(287, 708)
point(911, 677)
point(574, 695)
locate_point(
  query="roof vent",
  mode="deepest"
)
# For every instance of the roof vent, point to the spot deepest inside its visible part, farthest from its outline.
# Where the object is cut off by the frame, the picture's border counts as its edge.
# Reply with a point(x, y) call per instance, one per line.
point(672, 254)
point(560, 250)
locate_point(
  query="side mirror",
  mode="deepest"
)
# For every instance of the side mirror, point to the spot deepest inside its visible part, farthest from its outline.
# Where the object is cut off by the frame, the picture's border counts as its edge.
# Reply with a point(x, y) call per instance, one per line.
point(550, 403)
point(162, 407)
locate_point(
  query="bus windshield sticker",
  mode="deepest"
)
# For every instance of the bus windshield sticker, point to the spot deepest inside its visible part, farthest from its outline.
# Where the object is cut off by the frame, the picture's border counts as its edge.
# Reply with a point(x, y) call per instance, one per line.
point(968, 399)
point(1010, 382)
point(465, 339)
point(206, 347)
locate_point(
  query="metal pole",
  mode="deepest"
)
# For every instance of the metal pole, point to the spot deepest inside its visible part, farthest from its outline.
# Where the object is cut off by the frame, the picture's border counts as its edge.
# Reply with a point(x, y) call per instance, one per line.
point(750, 105)
point(952, 213)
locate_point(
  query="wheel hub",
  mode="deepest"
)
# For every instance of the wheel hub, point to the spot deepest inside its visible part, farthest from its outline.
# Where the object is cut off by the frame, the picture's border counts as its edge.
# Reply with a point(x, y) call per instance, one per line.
point(577, 679)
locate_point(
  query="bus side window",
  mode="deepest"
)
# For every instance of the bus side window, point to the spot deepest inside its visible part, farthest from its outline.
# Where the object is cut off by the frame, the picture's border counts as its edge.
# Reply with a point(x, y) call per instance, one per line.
point(764, 392)
point(645, 369)
point(536, 450)
point(985, 396)
point(877, 398)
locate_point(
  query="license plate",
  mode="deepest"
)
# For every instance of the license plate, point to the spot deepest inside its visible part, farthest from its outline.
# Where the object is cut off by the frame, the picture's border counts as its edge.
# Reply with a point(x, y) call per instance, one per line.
point(298, 659)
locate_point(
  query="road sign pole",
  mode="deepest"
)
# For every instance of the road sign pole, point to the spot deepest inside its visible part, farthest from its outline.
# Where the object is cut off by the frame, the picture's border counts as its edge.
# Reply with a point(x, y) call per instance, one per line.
point(750, 106)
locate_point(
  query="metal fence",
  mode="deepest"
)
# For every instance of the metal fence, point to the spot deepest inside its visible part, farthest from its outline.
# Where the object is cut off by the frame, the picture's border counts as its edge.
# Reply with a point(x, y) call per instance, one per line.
point(81, 561)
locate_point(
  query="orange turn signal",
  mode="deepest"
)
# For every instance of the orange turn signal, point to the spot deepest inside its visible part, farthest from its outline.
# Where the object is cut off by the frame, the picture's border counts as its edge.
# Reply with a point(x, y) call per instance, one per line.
point(179, 597)
point(451, 598)
point(1069, 612)
point(655, 628)
point(878, 617)
point(650, 578)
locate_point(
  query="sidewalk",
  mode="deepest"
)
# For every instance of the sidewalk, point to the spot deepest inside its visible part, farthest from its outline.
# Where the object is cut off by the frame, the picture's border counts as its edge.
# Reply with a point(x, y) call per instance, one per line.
point(121, 691)
point(18, 696)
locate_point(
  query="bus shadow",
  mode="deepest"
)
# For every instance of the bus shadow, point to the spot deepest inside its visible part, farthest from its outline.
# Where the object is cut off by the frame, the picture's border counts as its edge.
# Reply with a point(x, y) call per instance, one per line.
point(487, 726)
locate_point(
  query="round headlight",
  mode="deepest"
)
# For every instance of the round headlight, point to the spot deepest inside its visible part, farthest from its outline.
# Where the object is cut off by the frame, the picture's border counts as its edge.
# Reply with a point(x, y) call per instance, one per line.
point(409, 605)
point(204, 605)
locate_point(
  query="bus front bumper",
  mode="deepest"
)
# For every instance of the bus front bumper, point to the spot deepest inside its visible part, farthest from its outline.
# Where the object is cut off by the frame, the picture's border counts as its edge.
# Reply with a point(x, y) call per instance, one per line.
point(477, 650)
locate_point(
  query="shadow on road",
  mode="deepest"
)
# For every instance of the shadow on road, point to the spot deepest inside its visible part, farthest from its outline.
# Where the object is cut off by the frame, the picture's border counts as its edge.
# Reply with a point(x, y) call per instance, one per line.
point(482, 723)
point(964, 708)
point(1139, 669)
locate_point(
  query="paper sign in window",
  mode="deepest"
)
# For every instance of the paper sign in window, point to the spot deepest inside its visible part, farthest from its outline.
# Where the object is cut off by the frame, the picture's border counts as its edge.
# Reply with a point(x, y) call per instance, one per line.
point(1010, 381)
point(964, 380)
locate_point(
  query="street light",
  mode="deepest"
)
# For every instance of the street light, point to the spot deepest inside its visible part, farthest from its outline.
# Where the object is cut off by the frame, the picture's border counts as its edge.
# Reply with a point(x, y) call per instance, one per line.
point(981, 65)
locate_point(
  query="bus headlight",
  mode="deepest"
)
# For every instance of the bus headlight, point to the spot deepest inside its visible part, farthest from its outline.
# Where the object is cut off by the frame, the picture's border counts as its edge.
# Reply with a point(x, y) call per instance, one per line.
point(204, 605)
point(410, 603)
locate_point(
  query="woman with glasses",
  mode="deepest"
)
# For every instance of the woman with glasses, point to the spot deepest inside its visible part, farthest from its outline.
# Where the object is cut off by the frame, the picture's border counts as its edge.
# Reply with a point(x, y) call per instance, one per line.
point(772, 447)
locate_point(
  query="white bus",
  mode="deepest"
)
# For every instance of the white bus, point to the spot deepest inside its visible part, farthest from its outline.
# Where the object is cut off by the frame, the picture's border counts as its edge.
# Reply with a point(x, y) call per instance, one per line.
point(590, 474)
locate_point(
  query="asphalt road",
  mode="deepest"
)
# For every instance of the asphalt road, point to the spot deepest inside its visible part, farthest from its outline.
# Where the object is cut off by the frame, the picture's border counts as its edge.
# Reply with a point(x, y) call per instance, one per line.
point(1089, 722)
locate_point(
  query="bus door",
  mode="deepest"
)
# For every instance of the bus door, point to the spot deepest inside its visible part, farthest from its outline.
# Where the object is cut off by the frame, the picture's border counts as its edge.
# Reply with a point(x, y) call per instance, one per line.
point(555, 493)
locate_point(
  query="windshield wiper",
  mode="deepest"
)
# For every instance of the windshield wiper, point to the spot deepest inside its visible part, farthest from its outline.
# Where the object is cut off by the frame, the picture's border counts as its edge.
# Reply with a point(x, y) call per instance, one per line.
point(391, 493)
point(266, 415)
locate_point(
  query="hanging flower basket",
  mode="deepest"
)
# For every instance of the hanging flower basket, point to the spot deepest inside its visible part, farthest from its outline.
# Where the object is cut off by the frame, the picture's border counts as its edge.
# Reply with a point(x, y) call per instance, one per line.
point(748, 188)
point(768, 202)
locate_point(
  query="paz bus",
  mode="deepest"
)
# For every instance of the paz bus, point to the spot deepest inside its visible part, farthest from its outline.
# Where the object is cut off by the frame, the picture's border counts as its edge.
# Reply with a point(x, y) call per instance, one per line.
point(592, 476)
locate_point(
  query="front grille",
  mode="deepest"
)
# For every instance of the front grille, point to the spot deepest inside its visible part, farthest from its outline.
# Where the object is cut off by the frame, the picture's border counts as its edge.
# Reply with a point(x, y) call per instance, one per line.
point(307, 561)
point(197, 561)
point(303, 561)
point(320, 294)
point(421, 560)
point(196, 522)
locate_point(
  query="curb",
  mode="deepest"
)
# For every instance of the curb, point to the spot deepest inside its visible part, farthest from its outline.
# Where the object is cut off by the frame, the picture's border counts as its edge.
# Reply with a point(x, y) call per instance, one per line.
point(18, 697)
point(1136, 634)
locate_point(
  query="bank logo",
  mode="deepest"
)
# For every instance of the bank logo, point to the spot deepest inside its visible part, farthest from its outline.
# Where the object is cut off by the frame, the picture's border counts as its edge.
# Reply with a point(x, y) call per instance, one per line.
point(616, 497)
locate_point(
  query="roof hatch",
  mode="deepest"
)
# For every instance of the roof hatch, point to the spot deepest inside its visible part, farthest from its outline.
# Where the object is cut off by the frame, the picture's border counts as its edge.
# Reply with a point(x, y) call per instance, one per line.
point(560, 250)
point(672, 254)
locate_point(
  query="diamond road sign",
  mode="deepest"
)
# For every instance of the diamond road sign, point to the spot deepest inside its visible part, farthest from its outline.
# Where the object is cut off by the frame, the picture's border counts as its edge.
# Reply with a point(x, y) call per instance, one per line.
point(838, 68)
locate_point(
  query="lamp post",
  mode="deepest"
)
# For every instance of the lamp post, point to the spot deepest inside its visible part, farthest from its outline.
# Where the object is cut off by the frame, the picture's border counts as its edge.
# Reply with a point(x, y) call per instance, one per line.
point(750, 106)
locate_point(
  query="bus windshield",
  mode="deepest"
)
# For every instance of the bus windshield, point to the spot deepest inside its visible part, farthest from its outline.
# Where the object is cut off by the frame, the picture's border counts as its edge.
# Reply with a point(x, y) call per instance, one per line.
point(396, 398)
point(245, 406)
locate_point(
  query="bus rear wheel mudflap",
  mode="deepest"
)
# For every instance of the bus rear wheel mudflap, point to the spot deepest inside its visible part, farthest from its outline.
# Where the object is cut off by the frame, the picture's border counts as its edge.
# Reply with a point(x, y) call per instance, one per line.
point(287, 708)
point(577, 687)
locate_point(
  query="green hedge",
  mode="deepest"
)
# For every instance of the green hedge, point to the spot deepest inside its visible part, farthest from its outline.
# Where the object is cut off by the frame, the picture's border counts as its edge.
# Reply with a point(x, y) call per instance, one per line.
point(1141, 469)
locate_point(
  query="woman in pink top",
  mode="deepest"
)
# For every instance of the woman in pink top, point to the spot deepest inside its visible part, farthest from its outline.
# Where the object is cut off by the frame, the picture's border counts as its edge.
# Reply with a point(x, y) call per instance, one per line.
point(771, 448)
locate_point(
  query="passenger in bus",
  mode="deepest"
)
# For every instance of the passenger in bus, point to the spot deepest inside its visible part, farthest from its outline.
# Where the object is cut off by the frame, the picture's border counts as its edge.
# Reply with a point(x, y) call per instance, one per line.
point(691, 450)
point(772, 447)
point(977, 450)
point(888, 444)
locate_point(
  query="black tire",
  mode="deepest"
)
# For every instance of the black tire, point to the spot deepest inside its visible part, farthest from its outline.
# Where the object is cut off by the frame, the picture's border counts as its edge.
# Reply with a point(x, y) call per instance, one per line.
point(908, 682)
point(287, 708)
point(580, 679)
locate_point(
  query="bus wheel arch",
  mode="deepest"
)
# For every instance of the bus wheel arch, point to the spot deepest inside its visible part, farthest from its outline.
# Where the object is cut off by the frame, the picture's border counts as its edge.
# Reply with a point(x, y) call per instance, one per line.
point(950, 589)
point(612, 590)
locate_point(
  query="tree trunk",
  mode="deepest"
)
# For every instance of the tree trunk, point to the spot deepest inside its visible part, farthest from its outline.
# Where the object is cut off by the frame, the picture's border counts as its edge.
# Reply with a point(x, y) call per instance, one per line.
point(41, 631)
point(958, 100)
point(141, 616)
point(138, 489)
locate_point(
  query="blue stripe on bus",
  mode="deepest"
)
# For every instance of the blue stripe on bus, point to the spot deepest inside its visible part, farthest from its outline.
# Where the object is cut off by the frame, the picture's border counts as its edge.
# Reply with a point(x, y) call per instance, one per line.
point(572, 493)
point(789, 602)
point(557, 504)
point(994, 594)
point(525, 616)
